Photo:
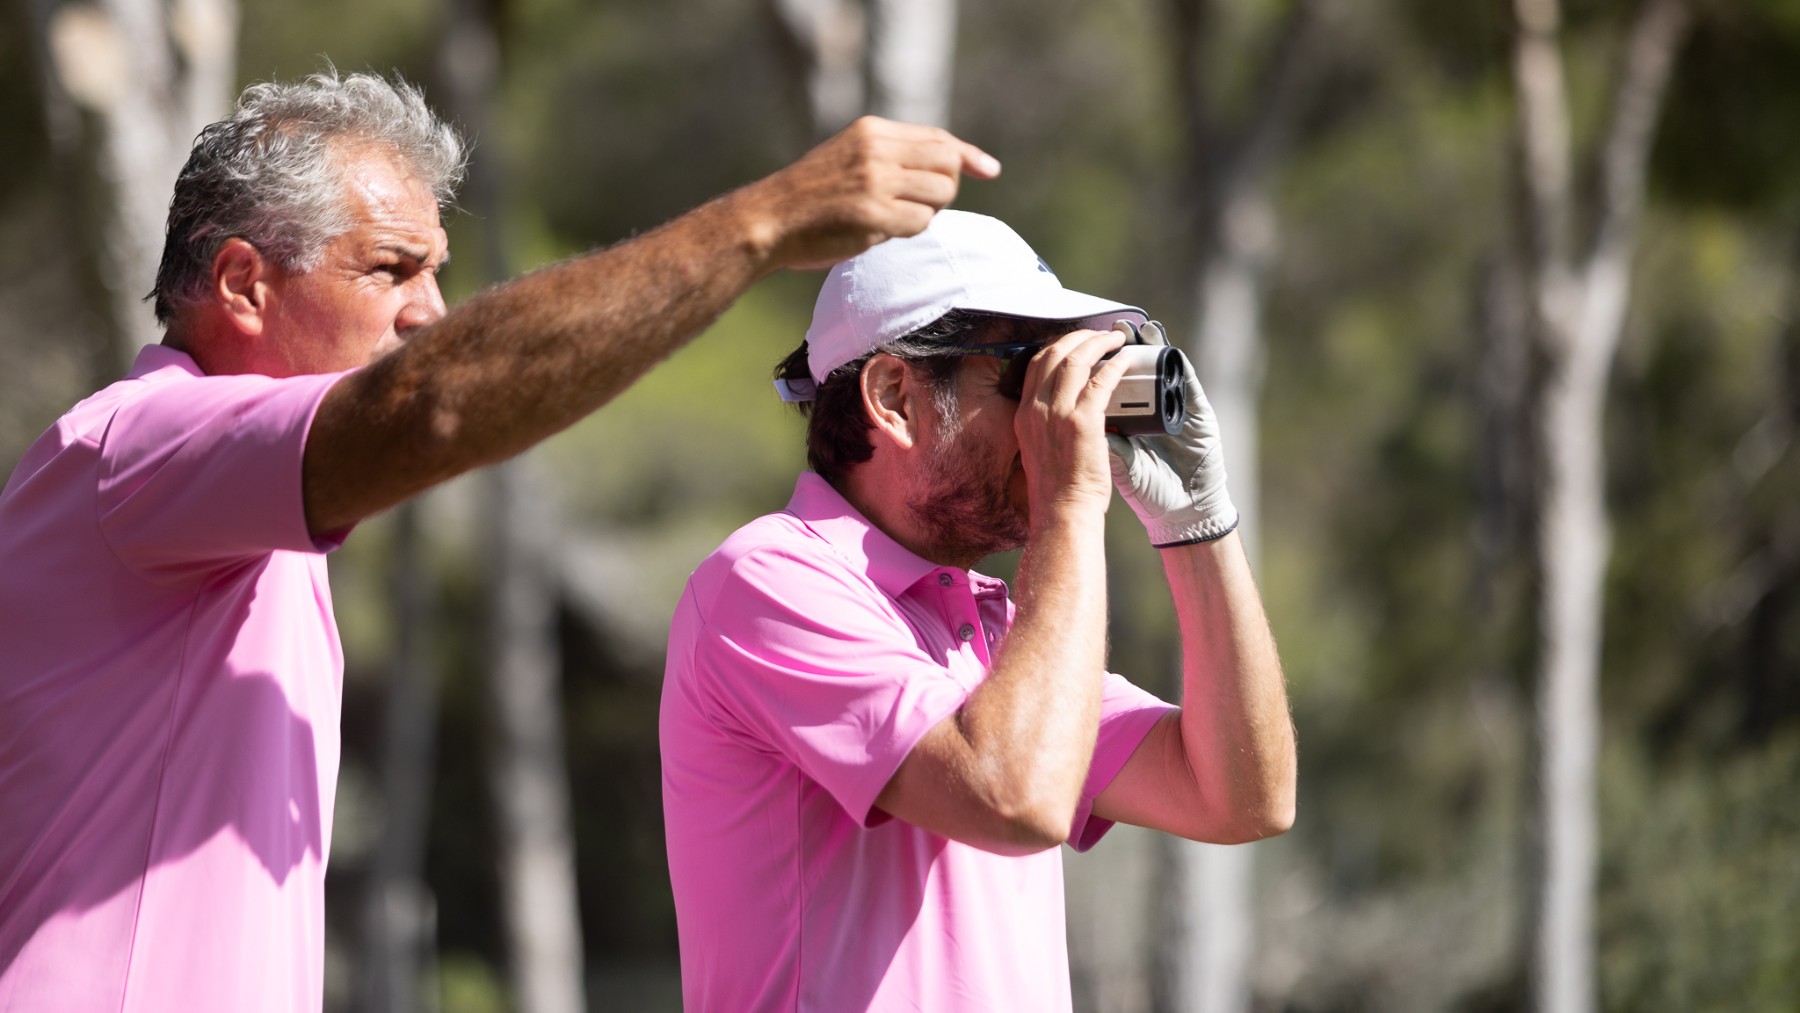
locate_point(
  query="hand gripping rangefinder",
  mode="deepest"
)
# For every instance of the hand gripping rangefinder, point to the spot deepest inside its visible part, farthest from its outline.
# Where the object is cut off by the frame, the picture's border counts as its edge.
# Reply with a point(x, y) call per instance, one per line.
point(1151, 399)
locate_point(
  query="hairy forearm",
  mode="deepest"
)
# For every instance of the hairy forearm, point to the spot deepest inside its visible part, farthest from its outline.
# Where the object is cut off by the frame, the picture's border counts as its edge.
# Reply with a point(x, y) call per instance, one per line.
point(521, 361)
point(1236, 732)
point(530, 357)
point(1032, 724)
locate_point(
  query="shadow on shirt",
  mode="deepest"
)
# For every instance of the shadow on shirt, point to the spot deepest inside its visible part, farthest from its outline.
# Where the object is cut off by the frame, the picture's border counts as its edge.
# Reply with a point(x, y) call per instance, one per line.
point(107, 825)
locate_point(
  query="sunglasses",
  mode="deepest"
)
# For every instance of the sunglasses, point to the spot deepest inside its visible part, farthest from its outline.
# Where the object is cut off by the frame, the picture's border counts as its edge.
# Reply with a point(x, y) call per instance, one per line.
point(1015, 358)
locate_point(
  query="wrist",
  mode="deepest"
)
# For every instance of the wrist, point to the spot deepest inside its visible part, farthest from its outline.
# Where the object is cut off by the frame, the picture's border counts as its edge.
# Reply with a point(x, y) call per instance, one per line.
point(1199, 533)
point(743, 218)
point(1070, 511)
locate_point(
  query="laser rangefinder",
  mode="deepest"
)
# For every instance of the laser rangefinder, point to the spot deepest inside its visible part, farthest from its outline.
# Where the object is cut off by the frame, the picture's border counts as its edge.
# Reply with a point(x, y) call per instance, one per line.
point(1151, 398)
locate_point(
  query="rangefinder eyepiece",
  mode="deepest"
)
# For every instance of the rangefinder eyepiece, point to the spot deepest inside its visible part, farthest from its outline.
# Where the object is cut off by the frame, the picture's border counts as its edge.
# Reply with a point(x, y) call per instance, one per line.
point(1151, 398)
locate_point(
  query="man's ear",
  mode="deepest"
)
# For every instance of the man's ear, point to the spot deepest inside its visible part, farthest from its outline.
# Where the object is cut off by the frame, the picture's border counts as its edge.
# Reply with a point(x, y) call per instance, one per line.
point(241, 278)
point(894, 396)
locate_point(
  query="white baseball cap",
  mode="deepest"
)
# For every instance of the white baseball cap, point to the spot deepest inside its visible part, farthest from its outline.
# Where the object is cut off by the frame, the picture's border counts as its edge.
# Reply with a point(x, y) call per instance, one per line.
point(962, 261)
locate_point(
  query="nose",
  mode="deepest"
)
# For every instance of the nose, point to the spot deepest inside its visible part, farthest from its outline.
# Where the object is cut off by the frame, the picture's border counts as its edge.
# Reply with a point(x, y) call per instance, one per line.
point(425, 304)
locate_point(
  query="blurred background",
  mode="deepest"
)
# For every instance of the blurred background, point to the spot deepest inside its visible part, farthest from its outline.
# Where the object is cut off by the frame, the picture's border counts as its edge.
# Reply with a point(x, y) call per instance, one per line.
point(1497, 303)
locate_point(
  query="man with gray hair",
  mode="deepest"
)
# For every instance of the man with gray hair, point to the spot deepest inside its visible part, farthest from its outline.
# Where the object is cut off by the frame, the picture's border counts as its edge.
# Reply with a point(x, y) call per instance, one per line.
point(170, 689)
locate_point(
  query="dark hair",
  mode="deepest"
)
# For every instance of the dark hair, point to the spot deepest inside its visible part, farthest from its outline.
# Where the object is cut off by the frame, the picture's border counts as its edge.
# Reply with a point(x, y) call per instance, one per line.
point(837, 428)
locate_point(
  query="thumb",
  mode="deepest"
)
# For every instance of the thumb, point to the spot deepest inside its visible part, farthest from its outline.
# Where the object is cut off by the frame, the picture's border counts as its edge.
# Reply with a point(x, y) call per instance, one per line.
point(1121, 457)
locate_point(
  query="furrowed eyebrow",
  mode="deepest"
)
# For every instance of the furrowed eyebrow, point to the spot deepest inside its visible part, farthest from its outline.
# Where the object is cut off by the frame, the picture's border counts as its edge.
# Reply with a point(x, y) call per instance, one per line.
point(420, 255)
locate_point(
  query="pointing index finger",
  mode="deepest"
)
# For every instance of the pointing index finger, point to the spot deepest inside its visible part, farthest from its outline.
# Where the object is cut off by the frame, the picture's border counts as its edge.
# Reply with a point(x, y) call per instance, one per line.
point(937, 149)
point(977, 162)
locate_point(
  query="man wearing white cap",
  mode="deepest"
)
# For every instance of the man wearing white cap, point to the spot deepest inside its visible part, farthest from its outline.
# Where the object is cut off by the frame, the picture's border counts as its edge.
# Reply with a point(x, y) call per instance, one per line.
point(870, 752)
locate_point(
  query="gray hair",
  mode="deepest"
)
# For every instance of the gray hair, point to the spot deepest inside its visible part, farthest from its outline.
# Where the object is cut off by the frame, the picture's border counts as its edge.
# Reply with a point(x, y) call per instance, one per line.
point(269, 174)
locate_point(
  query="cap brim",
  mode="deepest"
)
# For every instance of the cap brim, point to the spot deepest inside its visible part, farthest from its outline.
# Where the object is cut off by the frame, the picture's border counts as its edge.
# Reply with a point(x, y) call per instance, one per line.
point(1040, 303)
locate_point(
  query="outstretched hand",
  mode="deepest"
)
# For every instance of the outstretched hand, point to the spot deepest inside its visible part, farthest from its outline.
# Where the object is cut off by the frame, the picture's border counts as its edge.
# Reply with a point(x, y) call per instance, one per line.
point(876, 179)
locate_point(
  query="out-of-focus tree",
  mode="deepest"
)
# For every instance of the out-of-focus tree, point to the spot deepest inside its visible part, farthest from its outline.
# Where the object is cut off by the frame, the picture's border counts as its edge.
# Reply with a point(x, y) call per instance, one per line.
point(827, 41)
point(399, 940)
point(126, 86)
point(1232, 156)
point(888, 57)
point(1578, 291)
point(1399, 888)
point(527, 769)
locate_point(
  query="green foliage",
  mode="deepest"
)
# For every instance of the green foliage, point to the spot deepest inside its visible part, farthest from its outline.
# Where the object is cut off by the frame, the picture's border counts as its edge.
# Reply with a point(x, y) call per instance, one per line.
point(1733, 94)
point(716, 402)
point(1403, 632)
point(20, 104)
point(620, 116)
point(1699, 885)
point(468, 984)
point(283, 41)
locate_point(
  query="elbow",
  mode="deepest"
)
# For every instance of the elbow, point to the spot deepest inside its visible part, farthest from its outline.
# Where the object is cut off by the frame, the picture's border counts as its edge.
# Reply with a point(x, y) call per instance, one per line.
point(1029, 835)
point(1271, 822)
point(1030, 827)
point(1270, 818)
point(1283, 821)
point(1242, 818)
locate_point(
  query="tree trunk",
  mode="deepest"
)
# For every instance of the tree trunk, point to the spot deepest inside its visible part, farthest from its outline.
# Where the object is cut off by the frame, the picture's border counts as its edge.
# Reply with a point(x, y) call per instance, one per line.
point(528, 772)
point(400, 913)
point(911, 44)
point(1571, 549)
point(826, 42)
point(887, 57)
point(1210, 930)
point(127, 85)
point(1203, 960)
point(1578, 303)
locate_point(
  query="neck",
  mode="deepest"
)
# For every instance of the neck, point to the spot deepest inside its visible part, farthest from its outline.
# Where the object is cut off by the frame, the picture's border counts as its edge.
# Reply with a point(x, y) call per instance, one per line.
point(216, 354)
point(885, 499)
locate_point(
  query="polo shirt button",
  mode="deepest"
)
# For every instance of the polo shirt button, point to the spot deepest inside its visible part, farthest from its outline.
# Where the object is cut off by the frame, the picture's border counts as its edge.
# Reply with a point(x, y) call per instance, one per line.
point(945, 580)
point(967, 633)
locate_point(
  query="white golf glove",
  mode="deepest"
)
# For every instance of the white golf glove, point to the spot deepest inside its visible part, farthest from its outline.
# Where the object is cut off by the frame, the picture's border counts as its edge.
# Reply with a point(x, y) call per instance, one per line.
point(1176, 484)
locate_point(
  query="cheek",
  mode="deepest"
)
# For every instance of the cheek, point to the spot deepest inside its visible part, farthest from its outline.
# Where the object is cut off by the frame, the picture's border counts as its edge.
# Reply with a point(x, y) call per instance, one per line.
point(373, 318)
point(390, 342)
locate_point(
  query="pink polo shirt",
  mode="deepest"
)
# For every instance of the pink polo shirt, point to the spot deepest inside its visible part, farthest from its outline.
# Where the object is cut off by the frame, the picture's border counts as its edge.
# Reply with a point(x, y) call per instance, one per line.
point(808, 655)
point(169, 687)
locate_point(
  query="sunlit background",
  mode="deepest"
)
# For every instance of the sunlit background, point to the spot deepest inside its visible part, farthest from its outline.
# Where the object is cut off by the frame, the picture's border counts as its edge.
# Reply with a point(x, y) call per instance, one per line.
point(1340, 190)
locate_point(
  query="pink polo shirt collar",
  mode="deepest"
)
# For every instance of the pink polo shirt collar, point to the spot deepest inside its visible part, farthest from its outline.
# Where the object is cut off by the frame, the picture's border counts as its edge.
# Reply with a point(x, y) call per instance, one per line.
point(866, 548)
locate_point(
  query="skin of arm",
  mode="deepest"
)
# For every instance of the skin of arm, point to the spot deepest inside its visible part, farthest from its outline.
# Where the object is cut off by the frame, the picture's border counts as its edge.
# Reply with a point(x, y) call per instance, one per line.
point(1005, 772)
point(1222, 769)
point(530, 357)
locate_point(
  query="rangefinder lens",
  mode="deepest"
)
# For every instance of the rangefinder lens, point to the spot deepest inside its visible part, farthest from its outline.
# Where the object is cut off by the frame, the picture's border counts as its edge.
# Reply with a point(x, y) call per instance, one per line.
point(1149, 399)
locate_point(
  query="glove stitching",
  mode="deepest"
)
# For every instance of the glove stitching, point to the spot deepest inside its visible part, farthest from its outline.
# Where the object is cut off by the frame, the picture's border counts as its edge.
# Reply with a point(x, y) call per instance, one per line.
point(1203, 537)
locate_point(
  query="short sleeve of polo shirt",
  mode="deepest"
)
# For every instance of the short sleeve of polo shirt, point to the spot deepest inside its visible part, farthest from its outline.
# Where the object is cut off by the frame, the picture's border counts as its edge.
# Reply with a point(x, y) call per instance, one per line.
point(802, 655)
point(1127, 712)
point(203, 471)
